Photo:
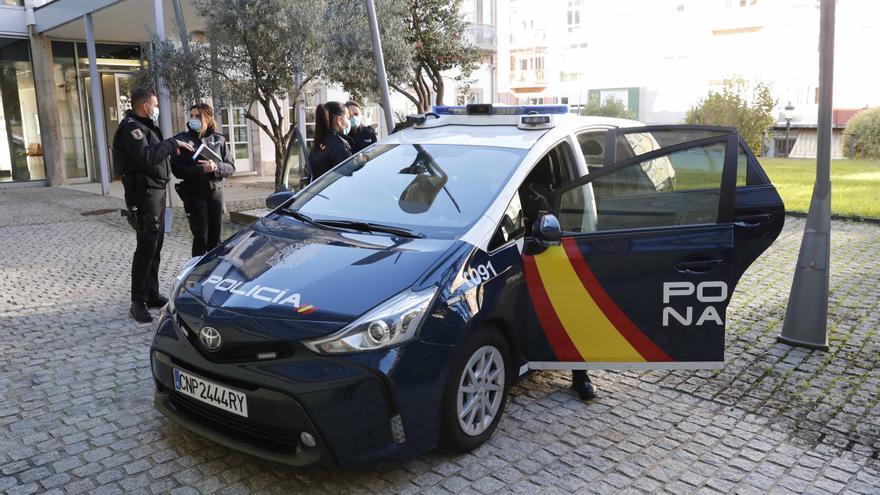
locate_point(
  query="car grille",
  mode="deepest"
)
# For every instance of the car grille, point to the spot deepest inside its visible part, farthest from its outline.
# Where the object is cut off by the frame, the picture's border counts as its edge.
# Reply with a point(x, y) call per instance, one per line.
point(240, 353)
point(263, 436)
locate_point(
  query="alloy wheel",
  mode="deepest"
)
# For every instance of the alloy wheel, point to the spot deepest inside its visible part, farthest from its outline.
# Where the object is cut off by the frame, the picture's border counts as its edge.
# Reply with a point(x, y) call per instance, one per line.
point(480, 390)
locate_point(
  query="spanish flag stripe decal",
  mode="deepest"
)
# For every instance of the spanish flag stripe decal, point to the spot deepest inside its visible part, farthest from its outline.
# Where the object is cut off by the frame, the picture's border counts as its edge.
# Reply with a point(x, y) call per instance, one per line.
point(593, 334)
point(646, 347)
point(553, 330)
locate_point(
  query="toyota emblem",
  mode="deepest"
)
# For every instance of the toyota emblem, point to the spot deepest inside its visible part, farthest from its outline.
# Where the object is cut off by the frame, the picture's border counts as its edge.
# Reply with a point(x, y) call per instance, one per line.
point(210, 338)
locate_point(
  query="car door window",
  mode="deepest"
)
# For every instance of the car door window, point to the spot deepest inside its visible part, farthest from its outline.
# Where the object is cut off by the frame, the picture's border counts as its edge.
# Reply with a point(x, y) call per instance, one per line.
point(512, 225)
point(538, 191)
point(679, 188)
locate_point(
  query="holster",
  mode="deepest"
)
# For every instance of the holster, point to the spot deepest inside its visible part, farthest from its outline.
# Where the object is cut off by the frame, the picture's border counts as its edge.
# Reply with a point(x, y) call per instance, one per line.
point(135, 189)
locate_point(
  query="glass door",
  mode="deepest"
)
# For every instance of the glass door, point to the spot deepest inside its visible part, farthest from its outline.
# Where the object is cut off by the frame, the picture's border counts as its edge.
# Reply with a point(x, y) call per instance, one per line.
point(237, 130)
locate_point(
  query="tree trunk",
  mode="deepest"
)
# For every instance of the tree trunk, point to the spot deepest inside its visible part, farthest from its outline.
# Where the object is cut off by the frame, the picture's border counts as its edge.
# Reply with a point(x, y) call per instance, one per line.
point(279, 165)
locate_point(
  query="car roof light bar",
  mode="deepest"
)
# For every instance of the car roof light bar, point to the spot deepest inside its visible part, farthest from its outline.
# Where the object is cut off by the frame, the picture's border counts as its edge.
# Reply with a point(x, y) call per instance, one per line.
point(489, 109)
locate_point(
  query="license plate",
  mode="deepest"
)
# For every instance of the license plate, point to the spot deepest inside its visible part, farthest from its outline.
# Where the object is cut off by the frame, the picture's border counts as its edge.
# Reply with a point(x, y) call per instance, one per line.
point(210, 393)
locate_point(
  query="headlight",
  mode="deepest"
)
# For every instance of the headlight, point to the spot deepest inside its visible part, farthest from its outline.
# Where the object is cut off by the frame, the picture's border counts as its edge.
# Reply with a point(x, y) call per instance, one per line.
point(395, 321)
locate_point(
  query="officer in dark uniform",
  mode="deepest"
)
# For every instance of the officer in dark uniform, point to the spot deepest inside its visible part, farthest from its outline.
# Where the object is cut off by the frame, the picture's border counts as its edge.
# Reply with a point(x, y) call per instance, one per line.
point(200, 191)
point(330, 146)
point(360, 136)
point(140, 156)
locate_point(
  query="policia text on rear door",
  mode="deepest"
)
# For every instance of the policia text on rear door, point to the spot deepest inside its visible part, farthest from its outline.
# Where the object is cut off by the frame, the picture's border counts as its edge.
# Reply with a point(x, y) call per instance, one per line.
point(642, 277)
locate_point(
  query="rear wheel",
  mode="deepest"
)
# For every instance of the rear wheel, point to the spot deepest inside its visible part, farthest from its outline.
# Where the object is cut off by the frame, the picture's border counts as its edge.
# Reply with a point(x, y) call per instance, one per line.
point(476, 392)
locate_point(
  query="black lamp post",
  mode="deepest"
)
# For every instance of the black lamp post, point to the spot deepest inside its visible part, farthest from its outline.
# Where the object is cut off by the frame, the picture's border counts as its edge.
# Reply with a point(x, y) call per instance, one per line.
point(789, 114)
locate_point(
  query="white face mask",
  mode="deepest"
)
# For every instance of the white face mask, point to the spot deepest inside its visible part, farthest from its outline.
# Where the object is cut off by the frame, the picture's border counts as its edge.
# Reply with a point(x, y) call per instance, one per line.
point(154, 115)
point(355, 121)
point(195, 124)
point(347, 128)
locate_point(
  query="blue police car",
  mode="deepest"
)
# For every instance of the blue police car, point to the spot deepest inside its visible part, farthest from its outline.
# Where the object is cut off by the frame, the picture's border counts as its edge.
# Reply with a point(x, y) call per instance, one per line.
point(386, 308)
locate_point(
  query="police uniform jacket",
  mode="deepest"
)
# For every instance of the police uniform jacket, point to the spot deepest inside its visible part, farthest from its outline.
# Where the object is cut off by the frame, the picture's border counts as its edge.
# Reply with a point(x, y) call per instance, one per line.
point(140, 152)
point(331, 152)
point(360, 137)
point(184, 165)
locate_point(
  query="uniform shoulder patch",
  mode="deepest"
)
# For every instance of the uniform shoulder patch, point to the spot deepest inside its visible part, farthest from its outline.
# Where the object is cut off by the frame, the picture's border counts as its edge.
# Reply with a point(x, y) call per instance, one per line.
point(137, 134)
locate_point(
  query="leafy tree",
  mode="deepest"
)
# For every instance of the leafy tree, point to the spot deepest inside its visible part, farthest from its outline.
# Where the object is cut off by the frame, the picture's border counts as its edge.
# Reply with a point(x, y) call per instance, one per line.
point(748, 108)
point(435, 29)
point(350, 60)
point(248, 58)
point(612, 107)
point(865, 125)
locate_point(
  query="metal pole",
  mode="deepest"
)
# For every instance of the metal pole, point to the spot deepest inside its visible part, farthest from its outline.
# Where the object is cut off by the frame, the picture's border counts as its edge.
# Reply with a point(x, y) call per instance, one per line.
point(380, 66)
point(97, 107)
point(806, 318)
point(787, 144)
point(763, 143)
point(162, 90)
point(852, 146)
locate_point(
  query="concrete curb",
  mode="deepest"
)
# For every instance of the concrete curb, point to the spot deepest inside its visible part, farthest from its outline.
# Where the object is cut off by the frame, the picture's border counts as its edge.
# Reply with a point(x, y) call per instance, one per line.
point(801, 214)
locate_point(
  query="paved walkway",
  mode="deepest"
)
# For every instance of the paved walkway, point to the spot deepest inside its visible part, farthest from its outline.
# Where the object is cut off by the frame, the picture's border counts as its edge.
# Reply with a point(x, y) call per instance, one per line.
point(77, 416)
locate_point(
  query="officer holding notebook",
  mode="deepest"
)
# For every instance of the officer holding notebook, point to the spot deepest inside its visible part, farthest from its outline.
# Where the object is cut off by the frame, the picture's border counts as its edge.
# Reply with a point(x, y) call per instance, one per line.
point(202, 171)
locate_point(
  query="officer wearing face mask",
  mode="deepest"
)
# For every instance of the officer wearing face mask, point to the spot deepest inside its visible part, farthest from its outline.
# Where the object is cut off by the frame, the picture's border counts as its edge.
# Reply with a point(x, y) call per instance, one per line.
point(360, 136)
point(330, 146)
point(140, 156)
point(200, 191)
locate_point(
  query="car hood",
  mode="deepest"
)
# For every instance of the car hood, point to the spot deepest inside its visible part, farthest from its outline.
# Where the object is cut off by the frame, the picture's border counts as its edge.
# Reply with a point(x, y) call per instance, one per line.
point(315, 279)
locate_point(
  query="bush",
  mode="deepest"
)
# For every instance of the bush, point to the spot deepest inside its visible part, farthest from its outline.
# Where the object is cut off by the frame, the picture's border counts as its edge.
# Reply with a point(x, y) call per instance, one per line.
point(865, 125)
point(611, 108)
point(746, 107)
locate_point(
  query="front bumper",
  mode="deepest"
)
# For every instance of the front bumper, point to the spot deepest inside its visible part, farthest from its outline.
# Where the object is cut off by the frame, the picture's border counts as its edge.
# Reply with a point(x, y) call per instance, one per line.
point(347, 404)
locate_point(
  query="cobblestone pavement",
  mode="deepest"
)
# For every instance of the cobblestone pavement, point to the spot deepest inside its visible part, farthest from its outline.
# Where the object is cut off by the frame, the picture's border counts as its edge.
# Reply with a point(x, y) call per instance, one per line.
point(76, 414)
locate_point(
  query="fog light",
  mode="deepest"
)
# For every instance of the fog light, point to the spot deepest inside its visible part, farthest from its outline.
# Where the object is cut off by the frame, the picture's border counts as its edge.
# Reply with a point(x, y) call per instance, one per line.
point(307, 440)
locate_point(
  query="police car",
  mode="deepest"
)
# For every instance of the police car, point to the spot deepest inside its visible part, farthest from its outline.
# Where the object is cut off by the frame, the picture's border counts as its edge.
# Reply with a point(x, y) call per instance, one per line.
point(386, 308)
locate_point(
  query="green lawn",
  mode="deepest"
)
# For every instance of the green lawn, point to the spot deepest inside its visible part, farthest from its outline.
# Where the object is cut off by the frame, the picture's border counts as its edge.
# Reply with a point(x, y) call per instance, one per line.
point(855, 184)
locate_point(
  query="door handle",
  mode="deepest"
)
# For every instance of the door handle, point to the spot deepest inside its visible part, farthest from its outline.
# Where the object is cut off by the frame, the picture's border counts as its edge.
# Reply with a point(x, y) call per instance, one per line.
point(751, 221)
point(702, 266)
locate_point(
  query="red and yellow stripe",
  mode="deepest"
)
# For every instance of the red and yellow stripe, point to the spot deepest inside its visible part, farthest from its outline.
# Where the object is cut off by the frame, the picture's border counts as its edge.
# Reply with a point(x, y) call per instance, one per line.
point(307, 309)
point(579, 318)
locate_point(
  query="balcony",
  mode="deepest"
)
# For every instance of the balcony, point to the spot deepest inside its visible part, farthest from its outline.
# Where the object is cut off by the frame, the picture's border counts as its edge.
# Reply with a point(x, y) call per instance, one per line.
point(527, 80)
point(481, 36)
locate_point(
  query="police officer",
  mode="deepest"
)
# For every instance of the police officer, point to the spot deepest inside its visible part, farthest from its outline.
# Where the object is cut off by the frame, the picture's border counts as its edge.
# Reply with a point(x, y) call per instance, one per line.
point(140, 156)
point(360, 136)
point(200, 191)
point(330, 146)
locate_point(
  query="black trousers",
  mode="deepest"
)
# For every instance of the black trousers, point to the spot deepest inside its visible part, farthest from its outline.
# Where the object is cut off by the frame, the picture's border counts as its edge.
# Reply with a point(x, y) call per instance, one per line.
point(204, 210)
point(150, 235)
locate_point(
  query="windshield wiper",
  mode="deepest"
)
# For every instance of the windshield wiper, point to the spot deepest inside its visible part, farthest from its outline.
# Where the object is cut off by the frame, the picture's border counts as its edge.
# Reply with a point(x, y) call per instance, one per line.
point(302, 217)
point(371, 227)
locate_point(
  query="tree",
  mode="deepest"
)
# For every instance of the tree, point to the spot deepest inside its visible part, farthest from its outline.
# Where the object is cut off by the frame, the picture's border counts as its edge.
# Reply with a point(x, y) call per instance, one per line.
point(435, 29)
point(350, 60)
point(865, 125)
point(249, 58)
point(611, 108)
point(748, 108)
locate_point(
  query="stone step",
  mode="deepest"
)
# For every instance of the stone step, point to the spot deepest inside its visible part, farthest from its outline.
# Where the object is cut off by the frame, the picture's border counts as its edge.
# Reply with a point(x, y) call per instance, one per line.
point(246, 217)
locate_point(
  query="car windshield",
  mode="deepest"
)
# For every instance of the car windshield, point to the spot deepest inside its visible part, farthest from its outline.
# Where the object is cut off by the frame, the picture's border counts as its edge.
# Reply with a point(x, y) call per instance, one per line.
point(433, 190)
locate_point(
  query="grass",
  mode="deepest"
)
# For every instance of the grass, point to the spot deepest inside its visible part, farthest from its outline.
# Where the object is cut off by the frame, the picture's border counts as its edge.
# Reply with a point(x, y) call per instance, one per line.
point(855, 185)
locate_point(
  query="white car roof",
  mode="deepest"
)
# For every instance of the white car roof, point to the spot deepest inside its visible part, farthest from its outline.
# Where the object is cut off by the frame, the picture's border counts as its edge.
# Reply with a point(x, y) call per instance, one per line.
point(495, 130)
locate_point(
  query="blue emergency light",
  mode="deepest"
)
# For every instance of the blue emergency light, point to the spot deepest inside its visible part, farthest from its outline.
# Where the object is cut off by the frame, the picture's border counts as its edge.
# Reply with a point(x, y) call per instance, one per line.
point(489, 109)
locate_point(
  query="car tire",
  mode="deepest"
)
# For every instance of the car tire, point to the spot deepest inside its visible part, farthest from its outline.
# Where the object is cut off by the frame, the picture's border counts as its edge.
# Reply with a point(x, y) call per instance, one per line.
point(476, 392)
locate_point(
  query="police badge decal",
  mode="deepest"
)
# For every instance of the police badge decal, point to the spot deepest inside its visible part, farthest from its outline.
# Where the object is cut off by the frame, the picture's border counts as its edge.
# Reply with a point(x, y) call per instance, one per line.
point(137, 134)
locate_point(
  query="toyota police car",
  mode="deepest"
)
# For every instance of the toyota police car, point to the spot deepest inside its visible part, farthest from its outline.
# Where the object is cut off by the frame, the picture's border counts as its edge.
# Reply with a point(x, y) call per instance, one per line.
point(386, 308)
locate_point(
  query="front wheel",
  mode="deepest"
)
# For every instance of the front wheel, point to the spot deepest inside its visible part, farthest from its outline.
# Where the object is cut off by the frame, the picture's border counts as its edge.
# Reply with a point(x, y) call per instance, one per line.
point(476, 392)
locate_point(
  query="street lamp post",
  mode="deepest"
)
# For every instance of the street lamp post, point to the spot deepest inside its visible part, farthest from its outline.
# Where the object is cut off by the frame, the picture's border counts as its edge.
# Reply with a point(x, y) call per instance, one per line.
point(789, 114)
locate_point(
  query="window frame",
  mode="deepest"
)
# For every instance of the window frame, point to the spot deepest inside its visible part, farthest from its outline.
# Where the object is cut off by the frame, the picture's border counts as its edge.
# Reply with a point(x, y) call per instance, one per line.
point(727, 191)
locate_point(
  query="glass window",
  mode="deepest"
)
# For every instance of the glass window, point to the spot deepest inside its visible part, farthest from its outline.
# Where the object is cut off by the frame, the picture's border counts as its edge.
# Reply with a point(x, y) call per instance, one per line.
point(438, 190)
point(512, 225)
point(681, 188)
point(70, 111)
point(21, 150)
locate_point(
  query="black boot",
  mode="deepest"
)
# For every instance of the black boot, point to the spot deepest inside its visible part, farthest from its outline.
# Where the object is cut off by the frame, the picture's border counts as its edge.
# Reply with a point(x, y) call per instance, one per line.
point(580, 381)
point(140, 313)
point(157, 301)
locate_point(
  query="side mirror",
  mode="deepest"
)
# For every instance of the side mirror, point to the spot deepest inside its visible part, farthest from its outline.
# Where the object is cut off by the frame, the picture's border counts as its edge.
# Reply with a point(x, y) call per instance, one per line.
point(277, 199)
point(547, 231)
